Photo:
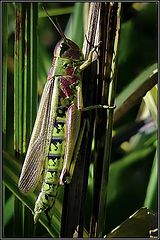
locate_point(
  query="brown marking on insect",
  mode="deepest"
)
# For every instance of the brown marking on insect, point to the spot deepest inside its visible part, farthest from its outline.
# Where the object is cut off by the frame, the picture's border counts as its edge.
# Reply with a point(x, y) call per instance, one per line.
point(70, 71)
point(66, 85)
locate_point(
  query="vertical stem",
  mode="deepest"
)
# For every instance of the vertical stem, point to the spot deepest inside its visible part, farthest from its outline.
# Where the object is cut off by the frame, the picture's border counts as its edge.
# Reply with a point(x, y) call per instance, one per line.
point(101, 116)
point(21, 78)
point(25, 91)
point(90, 77)
point(4, 68)
point(33, 62)
point(106, 160)
point(18, 105)
point(30, 72)
point(25, 73)
point(152, 189)
point(75, 192)
point(18, 66)
point(29, 90)
point(26, 70)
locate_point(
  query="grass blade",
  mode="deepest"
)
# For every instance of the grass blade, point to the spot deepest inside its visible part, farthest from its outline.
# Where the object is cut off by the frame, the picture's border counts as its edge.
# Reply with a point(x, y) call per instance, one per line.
point(4, 69)
point(135, 91)
point(18, 66)
point(75, 23)
point(11, 171)
point(152, 189)
point(151, 102)
point(33, 60)
point(56, 12)
point(108, 138)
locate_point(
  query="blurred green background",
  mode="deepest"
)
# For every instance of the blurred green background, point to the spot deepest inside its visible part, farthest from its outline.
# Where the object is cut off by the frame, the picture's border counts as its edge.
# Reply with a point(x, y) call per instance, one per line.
point(133, 173)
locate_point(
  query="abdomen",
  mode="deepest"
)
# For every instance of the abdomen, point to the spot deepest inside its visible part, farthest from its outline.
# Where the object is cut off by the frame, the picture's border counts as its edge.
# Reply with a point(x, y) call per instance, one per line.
point(53, 167)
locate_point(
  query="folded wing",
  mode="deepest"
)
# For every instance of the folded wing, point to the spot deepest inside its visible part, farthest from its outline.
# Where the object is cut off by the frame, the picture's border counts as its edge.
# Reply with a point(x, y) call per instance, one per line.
point(36, 154)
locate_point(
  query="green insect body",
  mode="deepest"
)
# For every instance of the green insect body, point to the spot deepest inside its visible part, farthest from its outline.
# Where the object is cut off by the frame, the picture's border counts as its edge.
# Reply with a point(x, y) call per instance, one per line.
point(54, 137)
point(54, 163)
point(54, 143)
point(55, 158)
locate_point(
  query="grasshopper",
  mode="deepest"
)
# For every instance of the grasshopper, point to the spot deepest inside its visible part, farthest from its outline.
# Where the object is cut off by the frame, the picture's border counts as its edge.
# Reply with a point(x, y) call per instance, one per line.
point(51, 150)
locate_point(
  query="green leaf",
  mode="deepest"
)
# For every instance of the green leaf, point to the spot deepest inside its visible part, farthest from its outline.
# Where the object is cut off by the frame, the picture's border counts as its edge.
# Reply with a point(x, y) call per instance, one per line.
point(8, 210)
point(134, 92)
point(122, 169)
point(74, 29)
point(152, 189)
point(5, 54)
point(138, 44)
point(55, 12)
point(151, 102)
point(137, 225)
point(11, 171)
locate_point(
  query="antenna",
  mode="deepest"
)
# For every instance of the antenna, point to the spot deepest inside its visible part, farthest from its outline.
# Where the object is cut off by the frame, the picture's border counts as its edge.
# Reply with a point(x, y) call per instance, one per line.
point(56, 25)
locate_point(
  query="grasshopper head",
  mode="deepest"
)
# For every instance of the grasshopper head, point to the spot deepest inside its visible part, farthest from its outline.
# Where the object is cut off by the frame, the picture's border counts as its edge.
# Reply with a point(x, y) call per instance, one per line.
point(66, 48)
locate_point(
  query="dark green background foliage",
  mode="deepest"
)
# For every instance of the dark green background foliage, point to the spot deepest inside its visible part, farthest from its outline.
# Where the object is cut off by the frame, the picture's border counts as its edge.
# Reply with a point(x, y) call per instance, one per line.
point(133, 170)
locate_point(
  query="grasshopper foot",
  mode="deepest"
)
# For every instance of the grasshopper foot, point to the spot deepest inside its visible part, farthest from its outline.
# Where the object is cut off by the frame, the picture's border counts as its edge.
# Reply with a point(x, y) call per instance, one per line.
point(64, 177)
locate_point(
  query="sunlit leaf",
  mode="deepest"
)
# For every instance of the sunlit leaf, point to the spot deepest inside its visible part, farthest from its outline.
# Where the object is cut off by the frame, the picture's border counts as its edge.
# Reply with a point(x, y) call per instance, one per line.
point(137, 225)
